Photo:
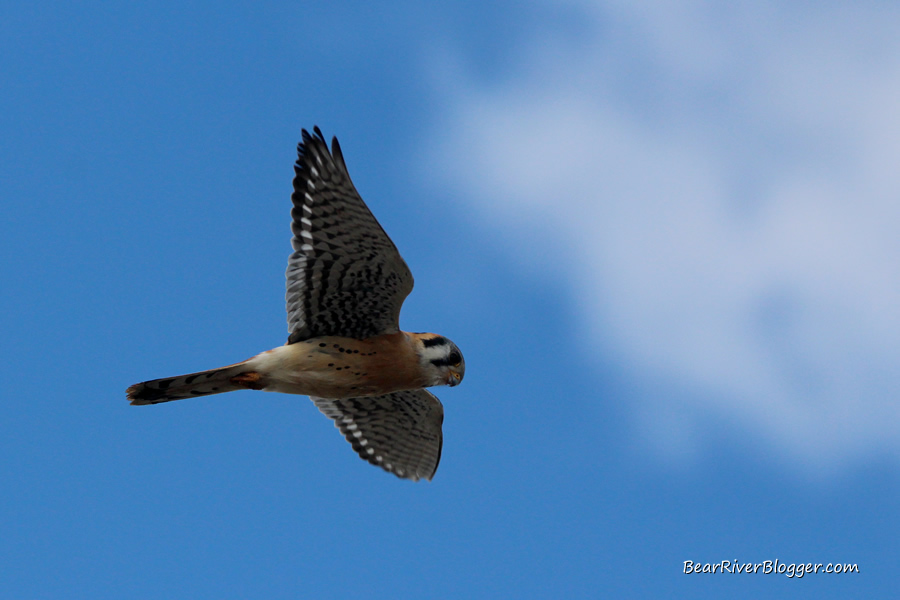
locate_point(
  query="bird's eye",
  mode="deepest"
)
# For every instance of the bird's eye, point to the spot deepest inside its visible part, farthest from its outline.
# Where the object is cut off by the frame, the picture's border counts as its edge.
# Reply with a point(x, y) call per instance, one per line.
point(454, 358)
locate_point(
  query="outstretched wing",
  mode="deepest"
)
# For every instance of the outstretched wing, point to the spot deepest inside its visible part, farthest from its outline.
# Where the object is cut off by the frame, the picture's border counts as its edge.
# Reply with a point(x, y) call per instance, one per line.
point(345, 277)
point(399, 432)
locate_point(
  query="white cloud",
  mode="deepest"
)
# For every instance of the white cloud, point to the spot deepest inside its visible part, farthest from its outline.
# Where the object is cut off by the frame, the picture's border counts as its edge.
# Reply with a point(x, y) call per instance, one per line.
point(722, 183)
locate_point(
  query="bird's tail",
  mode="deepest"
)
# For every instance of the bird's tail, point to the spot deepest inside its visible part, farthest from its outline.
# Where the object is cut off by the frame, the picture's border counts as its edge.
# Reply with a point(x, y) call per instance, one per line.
point(215, 381)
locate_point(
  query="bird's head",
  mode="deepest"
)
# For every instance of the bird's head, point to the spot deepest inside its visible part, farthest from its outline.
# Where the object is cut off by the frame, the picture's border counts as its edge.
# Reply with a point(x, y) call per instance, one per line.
point(441, 359)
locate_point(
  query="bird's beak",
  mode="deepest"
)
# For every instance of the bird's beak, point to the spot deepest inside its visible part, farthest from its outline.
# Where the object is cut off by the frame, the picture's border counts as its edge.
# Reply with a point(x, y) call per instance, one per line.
point(454, 378)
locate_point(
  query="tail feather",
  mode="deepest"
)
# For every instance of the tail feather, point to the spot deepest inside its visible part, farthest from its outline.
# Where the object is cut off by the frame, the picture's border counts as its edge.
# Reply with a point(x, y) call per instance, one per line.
point(203, 383)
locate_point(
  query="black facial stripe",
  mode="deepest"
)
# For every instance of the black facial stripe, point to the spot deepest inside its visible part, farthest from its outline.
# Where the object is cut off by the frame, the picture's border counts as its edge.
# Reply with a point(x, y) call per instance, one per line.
point(440, 362)
point(435, 341)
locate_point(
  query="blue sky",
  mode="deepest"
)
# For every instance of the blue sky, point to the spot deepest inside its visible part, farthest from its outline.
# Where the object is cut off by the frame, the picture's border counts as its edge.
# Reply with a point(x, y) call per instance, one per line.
point(663, 235)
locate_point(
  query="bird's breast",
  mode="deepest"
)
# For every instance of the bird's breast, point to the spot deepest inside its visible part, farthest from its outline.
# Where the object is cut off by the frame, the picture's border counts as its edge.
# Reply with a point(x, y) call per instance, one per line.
point(338, 367)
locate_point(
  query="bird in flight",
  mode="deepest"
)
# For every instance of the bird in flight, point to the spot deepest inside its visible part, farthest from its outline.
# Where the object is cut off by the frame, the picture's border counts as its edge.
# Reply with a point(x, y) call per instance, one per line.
point(346, 282)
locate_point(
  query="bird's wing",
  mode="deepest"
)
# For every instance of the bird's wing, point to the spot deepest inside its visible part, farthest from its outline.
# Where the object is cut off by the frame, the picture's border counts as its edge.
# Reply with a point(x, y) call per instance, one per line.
point(345, 276)
point(399, 432)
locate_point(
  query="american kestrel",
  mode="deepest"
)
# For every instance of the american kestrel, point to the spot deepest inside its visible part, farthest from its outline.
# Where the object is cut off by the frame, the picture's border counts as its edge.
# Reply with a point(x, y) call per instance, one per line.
point(346, 282)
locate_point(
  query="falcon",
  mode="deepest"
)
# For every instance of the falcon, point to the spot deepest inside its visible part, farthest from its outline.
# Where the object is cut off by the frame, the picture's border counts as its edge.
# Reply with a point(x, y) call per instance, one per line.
point(346, 283)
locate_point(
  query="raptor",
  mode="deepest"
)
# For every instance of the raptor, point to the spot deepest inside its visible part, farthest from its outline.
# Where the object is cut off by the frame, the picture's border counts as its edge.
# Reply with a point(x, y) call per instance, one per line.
point(346, 283)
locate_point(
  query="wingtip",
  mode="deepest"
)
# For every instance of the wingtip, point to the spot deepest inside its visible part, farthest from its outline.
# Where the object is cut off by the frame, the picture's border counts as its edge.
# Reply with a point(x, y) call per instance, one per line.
point(314, 144)
point(336, 151)
point(311, 143)
point(314, 137)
